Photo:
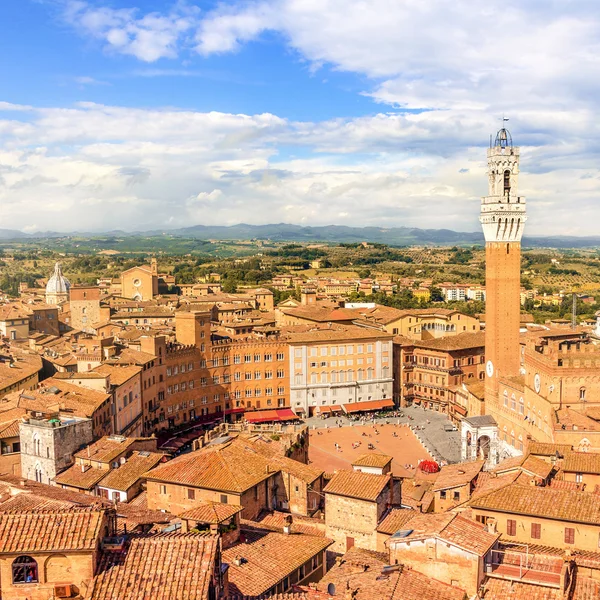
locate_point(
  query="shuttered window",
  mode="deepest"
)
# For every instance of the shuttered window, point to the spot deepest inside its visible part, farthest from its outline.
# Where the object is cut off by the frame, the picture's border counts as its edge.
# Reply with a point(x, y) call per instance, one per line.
point(569, 535)
point(536, 531)
point(511, 527)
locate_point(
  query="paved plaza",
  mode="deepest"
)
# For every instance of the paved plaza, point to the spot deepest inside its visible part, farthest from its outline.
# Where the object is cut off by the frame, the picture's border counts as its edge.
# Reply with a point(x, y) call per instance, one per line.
point(418, 434)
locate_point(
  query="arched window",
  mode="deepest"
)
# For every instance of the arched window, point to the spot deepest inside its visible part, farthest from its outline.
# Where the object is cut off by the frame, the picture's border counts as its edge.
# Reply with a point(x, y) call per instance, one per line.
point(369, 373)
point(38, 472)
point(323, 377)
point(582, 393)
point(507, 183)
point(24, 570)
point(334, 376)
point(361, 374)
point(350, 375)
point(37, 445)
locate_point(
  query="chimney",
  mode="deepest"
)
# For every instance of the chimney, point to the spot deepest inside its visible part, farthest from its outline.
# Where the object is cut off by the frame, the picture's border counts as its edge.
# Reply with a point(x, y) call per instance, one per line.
point(237, 561)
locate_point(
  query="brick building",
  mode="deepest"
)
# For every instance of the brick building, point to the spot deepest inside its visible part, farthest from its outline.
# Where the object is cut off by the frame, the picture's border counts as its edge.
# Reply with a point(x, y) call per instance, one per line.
point(427, 371)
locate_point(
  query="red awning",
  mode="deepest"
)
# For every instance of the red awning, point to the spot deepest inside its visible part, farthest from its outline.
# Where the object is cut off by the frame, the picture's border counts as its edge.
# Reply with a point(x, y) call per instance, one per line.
point(267, 416)
point(233, 411)
point(460, 410)
point(286, 414)
point(368, 405)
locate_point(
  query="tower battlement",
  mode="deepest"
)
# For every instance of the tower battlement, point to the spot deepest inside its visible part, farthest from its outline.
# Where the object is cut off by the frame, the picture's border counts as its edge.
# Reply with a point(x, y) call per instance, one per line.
point(503, 211)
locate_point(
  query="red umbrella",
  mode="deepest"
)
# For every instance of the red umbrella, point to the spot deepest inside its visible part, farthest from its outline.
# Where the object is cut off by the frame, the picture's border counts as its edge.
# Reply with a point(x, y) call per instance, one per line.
point(429, 466)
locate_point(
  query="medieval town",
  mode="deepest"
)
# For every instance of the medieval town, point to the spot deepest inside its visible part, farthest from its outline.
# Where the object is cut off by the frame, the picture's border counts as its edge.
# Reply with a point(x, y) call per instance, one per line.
point(207, 445)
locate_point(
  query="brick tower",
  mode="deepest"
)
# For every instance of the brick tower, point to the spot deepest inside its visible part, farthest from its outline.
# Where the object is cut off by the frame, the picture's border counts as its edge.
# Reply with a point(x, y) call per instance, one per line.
point(503, 218)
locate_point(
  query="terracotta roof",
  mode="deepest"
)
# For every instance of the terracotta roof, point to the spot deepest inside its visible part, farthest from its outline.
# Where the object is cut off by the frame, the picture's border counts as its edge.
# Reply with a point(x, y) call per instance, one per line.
point(504, 589)
point(118, 375)
point(269, 557)
point(560, 484)
point(548, 449)
point(124, 476)
point(529, 464)
point(469, 535)
point(84, 478)
point(332, 334)
point(581, 462)
point(356, 484)
point(80, 400)
point(107, 448)
point(372, 459)
point(395, 520)
point(24, 502)
point(570, 418)
point(9, 429)
point(11, 312)
point(452, 476)
point(24, 366)
point(216, 468)
point(275, 521)
point(211, 512)
point(563, 505)
point(162, 567)
point(360, 571)
point(488, 482)
point(586, 588)
point(462, 341)
point(50, 530)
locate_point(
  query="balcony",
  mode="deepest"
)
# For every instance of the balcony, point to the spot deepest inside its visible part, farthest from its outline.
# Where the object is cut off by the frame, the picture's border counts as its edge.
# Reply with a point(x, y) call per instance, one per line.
point(519, 565)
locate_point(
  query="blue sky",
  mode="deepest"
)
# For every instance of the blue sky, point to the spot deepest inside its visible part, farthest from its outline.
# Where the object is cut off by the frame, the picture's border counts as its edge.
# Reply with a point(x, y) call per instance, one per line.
point(136, 115)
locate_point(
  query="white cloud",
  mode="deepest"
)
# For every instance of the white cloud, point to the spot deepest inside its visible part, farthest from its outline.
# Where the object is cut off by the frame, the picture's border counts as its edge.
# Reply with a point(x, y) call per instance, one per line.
point(104, 167)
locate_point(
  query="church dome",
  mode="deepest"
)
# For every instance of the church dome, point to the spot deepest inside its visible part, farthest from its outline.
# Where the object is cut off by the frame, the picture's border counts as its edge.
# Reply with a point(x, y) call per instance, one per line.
point(58, 283)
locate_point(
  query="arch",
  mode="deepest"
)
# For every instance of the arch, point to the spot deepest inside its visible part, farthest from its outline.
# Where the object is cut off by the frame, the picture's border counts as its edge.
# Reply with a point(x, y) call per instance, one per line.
point(57, 568)
point(483, 447)
point(582, 393)
point(37, 444)
point(25, 570)
point(507, 183)
point(38, 472)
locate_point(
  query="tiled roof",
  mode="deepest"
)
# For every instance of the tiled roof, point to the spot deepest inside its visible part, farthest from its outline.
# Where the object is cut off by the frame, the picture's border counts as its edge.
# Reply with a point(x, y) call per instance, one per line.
point(571, 418)
point(162, 567)
point(582, 462)
point(82, 401)
point(10, 312)
point(561, 484)
point(84, 478)
point(269, 557)
point(462, 341)
point(488, 482)
point(25, 366)
point(360, 572)
point(452, 476)
point(504, 589)
point(107, 448)
point(530, 464)
point(333, 333)
point(548, 449)
point(356, 484)
point(9, 429)
point(469, 535)
point(227, 467)
point(372, 459)
point(50, 530)
point(275, 521)
point(118, 374)
point(586, 588)
point(211, 512)
point(563, 505)
point(395, 520)
point(123, 477)
point(32, 502)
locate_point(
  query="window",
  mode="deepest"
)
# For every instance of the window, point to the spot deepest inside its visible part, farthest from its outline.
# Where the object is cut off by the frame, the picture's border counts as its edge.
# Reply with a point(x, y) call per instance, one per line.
point(257, 358)
point(247, 358)
point(536, 531)
point(191, 494)
point(280, 356)
point(511, 527)
point(443, 494)
point(569, 535)
point(236, 359)
point(24, 570)
point(223, 499)
point(456, 496)
point(163, 490)
point(582, 393)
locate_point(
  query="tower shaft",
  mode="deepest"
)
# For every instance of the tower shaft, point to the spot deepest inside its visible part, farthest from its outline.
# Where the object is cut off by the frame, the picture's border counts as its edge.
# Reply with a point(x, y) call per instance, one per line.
point(503, 217)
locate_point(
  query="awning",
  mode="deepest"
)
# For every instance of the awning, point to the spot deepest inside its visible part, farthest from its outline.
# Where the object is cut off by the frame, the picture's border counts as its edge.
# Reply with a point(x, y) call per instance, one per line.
point(233, 411)
point(327, 410)
point(368, 405)
point(460, 410)
point(269, 416)
point(286, 414)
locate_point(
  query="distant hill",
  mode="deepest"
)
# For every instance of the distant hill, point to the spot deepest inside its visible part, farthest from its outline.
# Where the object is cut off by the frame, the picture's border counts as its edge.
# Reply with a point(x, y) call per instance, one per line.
point(281, 232)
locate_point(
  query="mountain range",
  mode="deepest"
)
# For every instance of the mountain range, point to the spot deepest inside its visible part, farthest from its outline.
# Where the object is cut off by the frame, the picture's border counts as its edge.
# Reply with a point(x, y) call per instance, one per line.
point(327, 233)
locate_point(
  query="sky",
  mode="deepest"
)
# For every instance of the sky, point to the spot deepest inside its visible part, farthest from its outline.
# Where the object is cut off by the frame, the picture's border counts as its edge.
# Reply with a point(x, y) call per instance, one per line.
point(138, 115)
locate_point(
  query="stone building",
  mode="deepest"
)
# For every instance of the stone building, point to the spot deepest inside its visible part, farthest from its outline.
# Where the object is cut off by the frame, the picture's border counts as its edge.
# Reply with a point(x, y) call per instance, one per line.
point(86, 310)
point(48, 443)
point(447, 547)
point(355, 503)
point(51, 553)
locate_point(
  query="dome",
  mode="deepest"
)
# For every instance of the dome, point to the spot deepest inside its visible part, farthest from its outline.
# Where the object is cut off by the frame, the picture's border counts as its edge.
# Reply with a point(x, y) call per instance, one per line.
point(503, 139)
point(58, 283)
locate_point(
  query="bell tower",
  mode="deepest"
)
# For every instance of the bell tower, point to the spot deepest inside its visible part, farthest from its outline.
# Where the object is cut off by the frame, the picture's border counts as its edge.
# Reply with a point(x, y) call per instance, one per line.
point(503, 218)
